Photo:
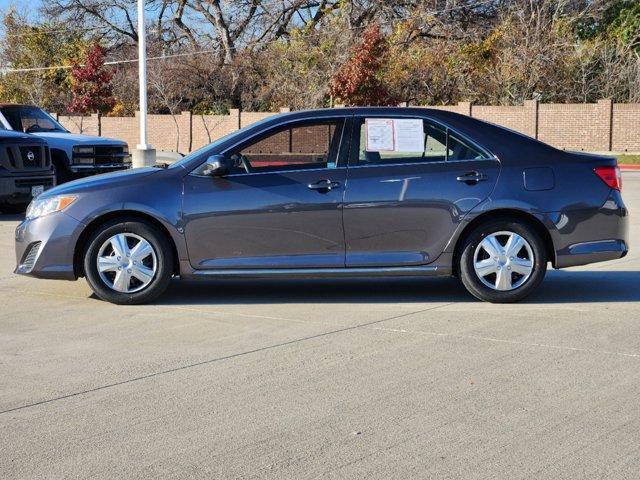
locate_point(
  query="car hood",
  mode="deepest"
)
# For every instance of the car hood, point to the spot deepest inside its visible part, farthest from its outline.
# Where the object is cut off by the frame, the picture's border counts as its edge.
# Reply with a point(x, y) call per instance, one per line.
point(77, 138)
point(98, 182)
point(10, 136)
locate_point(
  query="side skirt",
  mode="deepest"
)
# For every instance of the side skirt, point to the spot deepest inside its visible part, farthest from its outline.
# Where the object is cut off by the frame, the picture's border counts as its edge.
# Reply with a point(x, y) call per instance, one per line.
point(421, 271)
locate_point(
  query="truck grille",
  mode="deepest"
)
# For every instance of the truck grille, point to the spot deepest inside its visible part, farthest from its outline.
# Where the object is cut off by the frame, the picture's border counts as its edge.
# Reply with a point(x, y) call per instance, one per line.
point(25, 157)
point(31, 157)
point(103, 155)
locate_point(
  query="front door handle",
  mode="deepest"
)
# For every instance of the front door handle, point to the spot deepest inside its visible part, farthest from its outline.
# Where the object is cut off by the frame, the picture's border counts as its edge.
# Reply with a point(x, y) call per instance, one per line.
point(471, 178)
point(325, 185)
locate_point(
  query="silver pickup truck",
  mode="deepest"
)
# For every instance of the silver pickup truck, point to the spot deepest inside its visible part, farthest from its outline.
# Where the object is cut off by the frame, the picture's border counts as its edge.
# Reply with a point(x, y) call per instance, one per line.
point(73, 155)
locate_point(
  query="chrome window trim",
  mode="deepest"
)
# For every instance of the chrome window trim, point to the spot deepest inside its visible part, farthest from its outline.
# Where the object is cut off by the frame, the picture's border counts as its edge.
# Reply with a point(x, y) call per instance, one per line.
point(281, 172)
point(439, 162)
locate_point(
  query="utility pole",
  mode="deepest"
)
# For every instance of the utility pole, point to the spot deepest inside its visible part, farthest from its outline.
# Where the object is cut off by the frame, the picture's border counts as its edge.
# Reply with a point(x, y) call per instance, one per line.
point(144, 154)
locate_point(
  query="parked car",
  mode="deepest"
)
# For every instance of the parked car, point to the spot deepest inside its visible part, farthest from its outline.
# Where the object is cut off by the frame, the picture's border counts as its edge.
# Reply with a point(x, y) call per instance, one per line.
point(338, 192)
point(25, 170)
point(73, 155)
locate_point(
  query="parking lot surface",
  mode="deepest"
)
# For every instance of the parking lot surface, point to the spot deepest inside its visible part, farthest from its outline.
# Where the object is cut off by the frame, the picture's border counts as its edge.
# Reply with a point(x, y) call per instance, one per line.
point(373, 379)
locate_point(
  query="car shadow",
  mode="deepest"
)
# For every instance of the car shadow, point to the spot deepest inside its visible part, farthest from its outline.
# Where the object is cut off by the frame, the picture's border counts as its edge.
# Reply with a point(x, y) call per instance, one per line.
point(558, 287)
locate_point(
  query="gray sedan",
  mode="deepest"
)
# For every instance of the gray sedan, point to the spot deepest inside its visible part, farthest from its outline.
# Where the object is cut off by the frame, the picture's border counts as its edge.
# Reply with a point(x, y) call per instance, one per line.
point(338, 192)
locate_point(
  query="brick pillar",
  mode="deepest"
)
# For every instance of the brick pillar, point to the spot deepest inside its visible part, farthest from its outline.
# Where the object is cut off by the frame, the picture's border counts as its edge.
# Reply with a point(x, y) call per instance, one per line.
point(464, 108)
point(531, 112)
point(234, 113)
point(187, 125)
point(604, 122)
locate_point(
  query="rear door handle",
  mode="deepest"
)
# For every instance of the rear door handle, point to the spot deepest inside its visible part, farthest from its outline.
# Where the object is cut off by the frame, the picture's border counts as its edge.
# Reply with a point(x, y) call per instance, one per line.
point(471, 178)
point(324, 185)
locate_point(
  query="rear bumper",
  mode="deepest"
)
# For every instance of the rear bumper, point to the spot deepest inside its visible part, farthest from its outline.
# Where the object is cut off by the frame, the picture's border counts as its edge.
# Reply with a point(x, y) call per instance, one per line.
point(591, 235)
point(45, 246)
point(592, 252)
point(17, 189)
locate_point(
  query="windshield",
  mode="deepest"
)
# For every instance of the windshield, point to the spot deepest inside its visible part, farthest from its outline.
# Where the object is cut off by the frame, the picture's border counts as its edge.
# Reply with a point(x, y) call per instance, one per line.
point(30, 119)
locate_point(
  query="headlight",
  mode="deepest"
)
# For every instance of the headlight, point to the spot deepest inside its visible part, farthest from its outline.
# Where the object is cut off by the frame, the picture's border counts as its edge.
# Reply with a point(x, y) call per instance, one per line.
point(83, 160)
point(83, 150)
point(40, 207)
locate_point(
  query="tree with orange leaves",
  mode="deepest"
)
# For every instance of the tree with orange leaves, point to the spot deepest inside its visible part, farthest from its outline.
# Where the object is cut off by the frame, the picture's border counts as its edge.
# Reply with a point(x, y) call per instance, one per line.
point(358, 80)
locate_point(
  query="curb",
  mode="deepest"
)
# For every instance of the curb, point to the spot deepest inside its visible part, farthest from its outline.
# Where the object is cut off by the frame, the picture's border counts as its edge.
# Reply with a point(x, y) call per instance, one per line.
point(629, 168)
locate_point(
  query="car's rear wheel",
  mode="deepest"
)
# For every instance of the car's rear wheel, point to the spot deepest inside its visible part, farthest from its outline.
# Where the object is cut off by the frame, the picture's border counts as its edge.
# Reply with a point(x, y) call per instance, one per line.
point(502, 261)
point(128, 262)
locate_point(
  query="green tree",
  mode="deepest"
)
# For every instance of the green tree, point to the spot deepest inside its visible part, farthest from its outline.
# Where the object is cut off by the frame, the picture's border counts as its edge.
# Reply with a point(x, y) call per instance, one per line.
point(26, 47)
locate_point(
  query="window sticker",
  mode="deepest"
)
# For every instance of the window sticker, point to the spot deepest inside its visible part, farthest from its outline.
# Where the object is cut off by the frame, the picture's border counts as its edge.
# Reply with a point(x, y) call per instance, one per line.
point(409, 135)
point(380, 137)
point(394, 135)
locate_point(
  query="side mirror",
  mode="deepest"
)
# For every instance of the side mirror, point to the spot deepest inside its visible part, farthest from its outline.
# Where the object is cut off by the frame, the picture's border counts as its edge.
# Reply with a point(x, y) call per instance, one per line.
point(216, 166)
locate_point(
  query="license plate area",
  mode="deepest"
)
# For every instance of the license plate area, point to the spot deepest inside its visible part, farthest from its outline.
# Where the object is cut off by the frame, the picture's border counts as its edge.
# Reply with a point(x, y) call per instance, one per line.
point(36, 190)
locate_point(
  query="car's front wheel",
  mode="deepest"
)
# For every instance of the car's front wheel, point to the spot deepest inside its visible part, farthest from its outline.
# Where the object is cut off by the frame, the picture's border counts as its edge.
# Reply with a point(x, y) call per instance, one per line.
point(128, 261)
point(502, 261)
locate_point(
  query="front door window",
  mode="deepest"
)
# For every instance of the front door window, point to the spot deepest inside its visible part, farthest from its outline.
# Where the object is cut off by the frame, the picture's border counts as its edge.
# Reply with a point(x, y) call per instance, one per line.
point(296, 147)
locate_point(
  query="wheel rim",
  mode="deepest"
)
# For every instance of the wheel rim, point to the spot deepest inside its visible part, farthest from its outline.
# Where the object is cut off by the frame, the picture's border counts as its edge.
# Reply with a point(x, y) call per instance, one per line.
point(127, 263)
point(503, 261)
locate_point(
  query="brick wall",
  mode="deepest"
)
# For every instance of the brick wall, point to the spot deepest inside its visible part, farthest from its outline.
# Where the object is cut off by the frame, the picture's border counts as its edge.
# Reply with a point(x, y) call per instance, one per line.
point(599, 127)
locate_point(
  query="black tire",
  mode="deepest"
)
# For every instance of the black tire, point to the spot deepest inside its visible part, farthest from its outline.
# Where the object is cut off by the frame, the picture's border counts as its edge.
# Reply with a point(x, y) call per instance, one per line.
point(60, 173)
point(163, 257)
point(472, 281)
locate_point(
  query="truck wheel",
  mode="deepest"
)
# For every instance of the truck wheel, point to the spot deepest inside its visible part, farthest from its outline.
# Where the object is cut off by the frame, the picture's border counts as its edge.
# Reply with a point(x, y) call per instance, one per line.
point(128, 261)
point(502, 261)
point(60, 174)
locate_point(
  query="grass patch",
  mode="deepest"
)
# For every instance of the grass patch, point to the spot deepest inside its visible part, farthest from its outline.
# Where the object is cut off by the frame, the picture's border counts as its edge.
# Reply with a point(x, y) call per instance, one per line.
point(629, 159)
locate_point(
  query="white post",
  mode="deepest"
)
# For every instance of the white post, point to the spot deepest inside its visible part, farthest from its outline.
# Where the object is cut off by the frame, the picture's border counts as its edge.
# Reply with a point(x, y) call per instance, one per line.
point(144, 154)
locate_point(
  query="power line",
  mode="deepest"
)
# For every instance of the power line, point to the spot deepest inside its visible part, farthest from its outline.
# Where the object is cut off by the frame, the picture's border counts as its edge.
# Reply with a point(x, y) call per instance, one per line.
point(43, 30)
point(206, 51)
point(114, 62)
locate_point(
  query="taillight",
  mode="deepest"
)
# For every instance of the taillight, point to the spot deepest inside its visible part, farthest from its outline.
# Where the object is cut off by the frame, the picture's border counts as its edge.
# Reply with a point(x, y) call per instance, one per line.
point(610, 175)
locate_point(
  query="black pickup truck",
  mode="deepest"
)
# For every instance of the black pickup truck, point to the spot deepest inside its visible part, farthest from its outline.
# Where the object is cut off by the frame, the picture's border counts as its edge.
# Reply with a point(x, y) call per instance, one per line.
point(25, 170)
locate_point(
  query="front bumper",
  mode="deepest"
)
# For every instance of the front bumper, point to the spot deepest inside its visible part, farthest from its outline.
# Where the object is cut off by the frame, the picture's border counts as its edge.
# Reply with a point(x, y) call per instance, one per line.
point(79, 171)
point(17, 188)
point(45, 246)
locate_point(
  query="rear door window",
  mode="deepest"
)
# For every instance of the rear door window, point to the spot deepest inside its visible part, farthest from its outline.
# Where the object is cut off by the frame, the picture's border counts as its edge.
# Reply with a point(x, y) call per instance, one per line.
point(410, 140)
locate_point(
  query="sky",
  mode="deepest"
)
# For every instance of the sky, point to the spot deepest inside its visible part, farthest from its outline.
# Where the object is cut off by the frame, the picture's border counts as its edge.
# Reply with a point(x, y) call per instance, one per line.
point(23, 5)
